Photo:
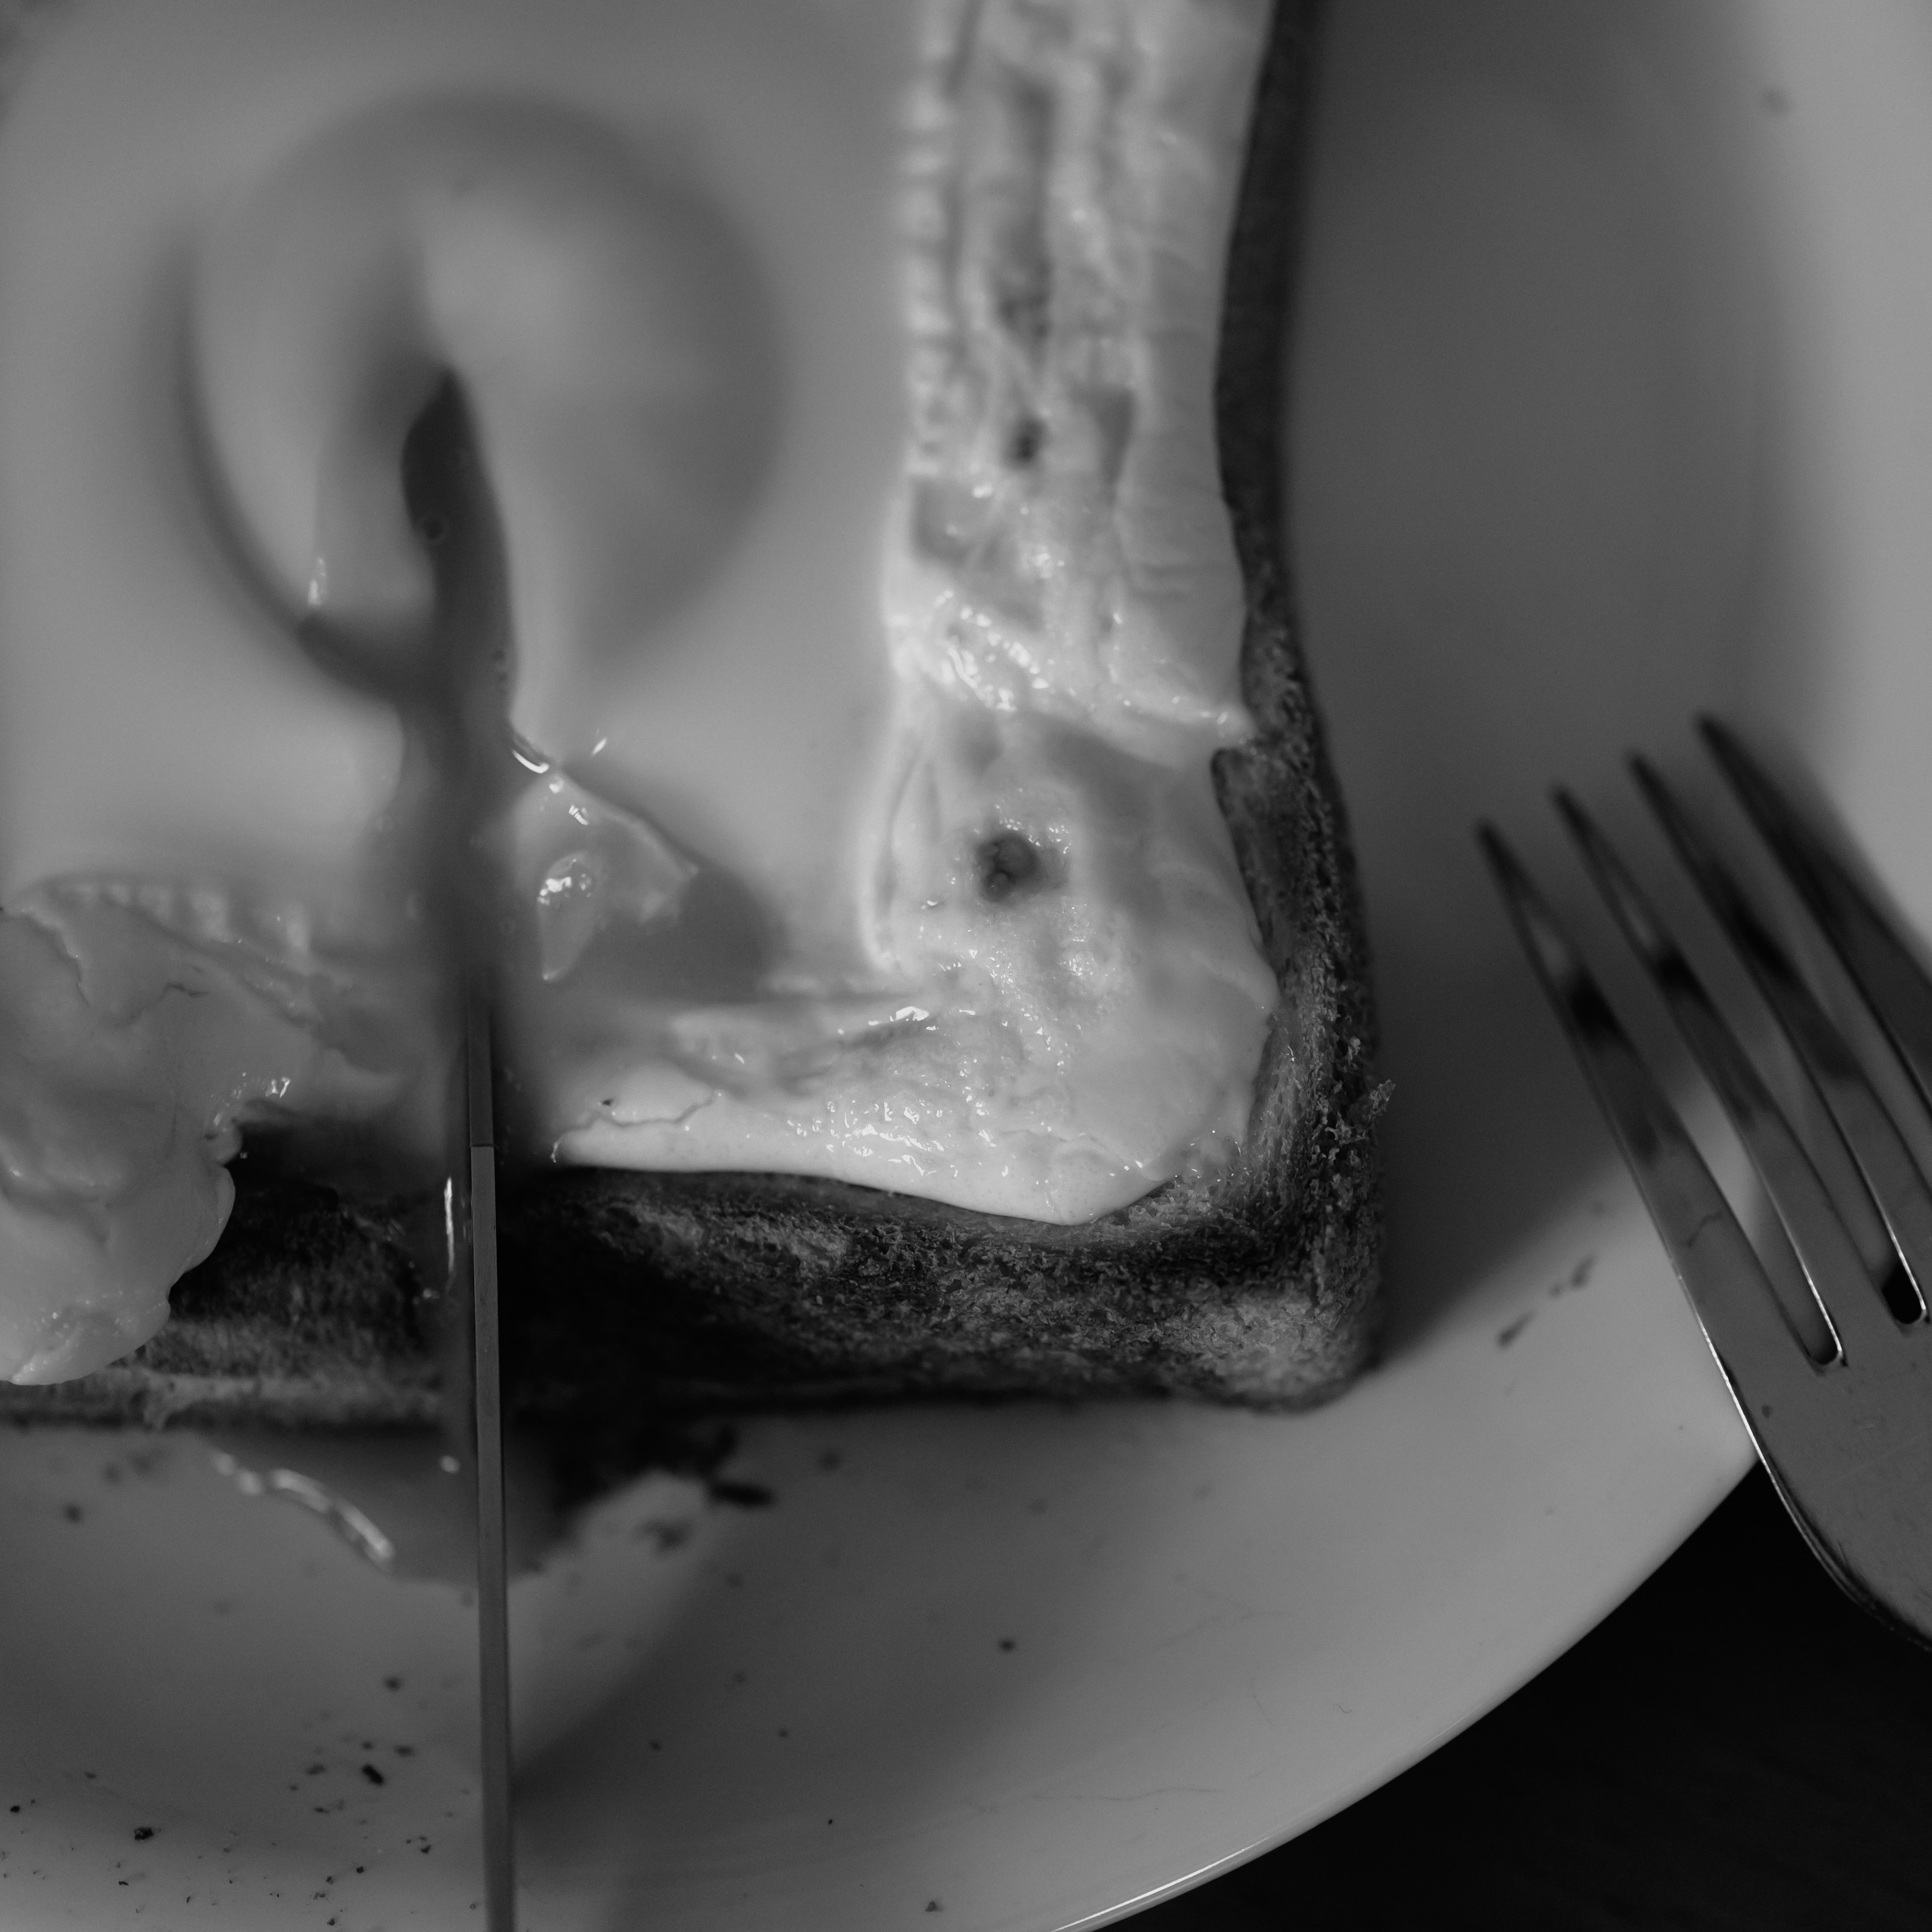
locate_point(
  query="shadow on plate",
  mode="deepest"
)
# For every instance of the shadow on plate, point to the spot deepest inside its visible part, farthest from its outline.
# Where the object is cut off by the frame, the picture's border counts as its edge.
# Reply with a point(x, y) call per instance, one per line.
point(924, 1585)
point(1545, 509)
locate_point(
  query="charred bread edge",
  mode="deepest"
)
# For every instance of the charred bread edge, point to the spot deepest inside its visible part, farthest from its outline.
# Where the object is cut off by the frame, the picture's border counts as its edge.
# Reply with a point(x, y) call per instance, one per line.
point(627, 1294)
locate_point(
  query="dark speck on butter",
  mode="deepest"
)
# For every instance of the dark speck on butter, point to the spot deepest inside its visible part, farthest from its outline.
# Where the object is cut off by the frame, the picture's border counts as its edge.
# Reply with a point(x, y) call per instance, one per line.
point(1006, 863)
point(1023, 441)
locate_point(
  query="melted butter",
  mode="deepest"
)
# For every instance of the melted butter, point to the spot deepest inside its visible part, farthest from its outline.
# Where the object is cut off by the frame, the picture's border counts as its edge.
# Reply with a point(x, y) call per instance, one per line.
point(139, 1028)
point(846, 398)
point(1057, 1001)
point(595, 866)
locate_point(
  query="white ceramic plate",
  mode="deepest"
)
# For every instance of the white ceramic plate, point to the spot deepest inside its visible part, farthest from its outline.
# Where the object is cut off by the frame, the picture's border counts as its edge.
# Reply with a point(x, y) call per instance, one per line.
point(1614, 396)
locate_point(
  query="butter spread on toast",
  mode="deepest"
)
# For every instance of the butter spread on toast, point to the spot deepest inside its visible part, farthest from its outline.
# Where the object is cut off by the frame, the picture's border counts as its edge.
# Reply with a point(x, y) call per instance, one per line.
point(844, 374)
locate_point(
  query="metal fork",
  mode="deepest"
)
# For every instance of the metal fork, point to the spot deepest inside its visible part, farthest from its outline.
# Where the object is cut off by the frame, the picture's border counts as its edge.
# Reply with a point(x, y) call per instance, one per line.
point(1837, 1393)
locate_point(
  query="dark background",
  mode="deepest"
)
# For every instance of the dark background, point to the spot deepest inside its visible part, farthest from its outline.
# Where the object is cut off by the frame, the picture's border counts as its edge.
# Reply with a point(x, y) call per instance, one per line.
point(1737, 1746)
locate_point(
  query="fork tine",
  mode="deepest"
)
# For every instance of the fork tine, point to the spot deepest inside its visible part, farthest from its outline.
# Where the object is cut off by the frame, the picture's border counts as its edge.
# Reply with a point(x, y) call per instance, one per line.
point(1742, 1319)
point(1832, 1264)
point(1881, 966)
point(1896, 1187)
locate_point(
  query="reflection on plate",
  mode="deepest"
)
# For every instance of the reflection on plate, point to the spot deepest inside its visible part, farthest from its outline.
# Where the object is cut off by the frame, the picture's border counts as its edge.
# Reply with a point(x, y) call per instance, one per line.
point(1613, 402)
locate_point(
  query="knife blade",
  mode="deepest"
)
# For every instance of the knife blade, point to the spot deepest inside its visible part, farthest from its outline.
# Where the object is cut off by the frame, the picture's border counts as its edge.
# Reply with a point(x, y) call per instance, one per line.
point(455, 693)
point(493, 1605)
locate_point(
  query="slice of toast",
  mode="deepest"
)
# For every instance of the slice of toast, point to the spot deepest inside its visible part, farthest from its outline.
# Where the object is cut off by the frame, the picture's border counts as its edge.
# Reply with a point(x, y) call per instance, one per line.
point(631, 1299)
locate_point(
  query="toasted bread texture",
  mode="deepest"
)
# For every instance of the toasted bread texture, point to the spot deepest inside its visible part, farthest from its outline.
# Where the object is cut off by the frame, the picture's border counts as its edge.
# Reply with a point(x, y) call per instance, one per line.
point(629, 1298)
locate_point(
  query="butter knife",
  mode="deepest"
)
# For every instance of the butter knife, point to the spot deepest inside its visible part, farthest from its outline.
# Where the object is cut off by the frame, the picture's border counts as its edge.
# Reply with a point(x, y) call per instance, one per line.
point(492, 1604)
